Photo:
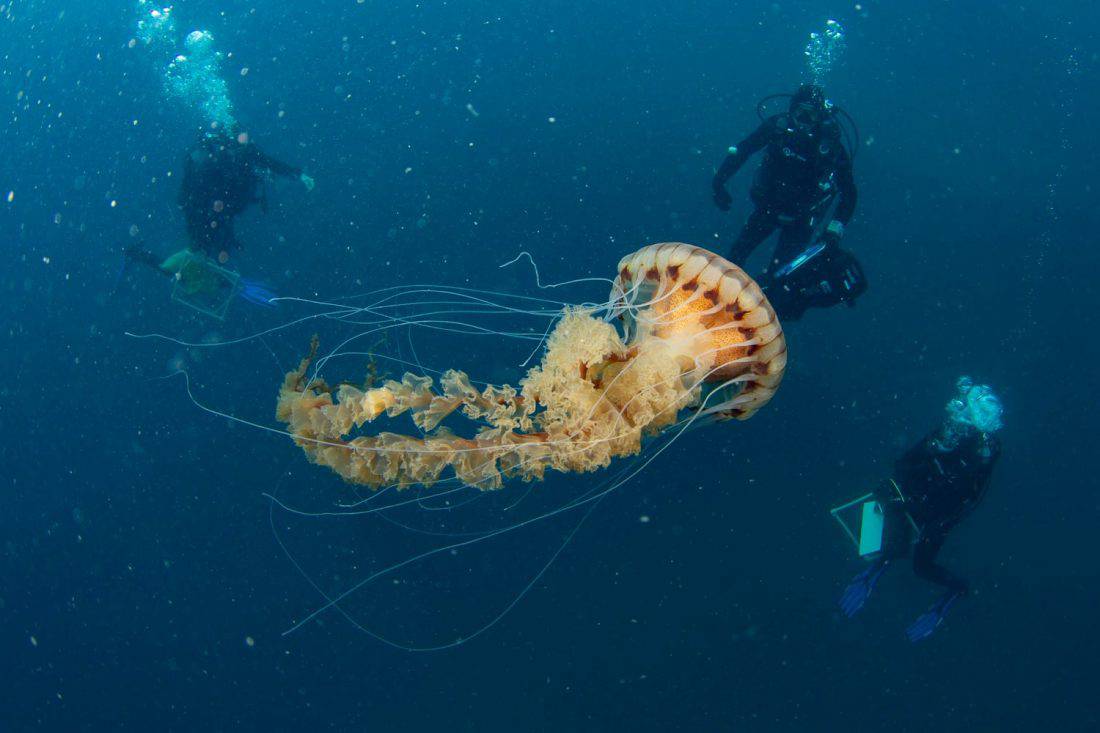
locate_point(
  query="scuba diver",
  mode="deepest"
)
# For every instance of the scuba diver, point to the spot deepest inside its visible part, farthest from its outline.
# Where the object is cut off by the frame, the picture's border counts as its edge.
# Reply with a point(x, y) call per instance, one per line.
point(222, 176)
point(936, 483)
point(199, 282)
point(805, 189)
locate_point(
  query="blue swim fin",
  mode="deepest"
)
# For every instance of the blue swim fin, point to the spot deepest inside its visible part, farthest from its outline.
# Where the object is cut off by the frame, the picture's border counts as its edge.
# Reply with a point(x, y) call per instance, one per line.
point(122, 270)
point(256, 292)
point(931, 619)
point(859, 590)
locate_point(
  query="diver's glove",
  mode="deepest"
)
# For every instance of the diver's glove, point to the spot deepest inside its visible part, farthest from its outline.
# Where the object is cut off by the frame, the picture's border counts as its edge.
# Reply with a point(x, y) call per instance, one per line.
point(722, 198)
point(833, 233)
point(931, 619)
point(307, 181)
point(859, 590)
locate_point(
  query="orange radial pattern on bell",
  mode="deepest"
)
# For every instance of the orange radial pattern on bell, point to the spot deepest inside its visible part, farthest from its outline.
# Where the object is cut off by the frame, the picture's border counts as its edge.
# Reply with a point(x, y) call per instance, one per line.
point(710, 311)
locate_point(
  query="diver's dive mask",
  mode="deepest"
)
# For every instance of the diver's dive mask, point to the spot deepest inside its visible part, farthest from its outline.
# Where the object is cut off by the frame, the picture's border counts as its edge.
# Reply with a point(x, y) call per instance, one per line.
point(809, 108)
point(806, 116)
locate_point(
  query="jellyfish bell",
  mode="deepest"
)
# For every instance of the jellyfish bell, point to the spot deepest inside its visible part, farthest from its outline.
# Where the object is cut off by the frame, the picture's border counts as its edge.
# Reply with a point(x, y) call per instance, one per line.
point(712, 316)
point(699, 336)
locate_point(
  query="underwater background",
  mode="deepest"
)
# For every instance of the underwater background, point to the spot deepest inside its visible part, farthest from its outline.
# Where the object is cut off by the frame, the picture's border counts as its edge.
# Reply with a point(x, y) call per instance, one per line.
point(141, 583)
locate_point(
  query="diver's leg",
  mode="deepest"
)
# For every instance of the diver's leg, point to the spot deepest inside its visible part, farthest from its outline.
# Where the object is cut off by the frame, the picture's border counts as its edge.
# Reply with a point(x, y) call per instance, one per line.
point(793, 239)
point(813, 285)
point(229, 233)
point(760, 225)
point(142, 256)
point(787, 294)
point(784, 294)
point(201, 236)
point(925, 566)
point(784, 301)
point(139, 254)
point(219, 238)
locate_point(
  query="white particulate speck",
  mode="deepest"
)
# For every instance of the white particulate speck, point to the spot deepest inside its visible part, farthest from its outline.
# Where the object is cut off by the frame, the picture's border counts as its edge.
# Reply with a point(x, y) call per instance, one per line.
point(11, 196)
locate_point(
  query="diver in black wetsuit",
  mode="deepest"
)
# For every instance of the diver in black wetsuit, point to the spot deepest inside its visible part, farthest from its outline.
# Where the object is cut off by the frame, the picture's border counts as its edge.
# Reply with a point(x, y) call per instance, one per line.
point(937, 483)
point(941, 488)
point(805, 189)
point(221, 178)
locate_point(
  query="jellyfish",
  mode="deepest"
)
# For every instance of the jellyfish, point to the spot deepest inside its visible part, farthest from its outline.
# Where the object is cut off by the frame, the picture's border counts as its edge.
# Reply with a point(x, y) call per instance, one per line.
point(683, 333)
point(683, 339)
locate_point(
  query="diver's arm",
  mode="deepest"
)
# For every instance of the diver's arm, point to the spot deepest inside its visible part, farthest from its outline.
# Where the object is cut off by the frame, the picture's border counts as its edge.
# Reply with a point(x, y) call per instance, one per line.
point(909, 468)
point(981, 483)
point(846, 206)
point(741, 152)
point(924, 561)
point(985, 473)
point(846, 185)
point(730, 165)
point(278, 167)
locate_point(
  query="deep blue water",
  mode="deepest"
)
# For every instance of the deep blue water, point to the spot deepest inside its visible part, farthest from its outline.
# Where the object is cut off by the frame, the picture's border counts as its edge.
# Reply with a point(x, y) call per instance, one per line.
point(141, 584)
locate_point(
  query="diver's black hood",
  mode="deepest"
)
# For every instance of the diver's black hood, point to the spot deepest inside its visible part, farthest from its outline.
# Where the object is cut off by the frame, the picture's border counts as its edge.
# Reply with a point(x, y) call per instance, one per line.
point(810, 94)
